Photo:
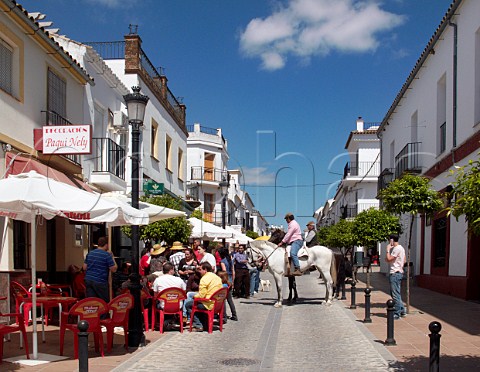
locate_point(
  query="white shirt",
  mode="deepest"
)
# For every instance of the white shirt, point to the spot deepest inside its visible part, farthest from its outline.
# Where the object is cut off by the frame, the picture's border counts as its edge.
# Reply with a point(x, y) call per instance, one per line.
point(168, 281)
point(399, 253)
point(210, 258)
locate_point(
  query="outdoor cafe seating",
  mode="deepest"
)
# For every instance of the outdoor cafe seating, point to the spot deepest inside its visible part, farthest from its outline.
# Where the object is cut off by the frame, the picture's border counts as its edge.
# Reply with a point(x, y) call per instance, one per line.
point(218, 299)
point(6, 329)
point(89, 309)
point(119, 309)
point(172, 299)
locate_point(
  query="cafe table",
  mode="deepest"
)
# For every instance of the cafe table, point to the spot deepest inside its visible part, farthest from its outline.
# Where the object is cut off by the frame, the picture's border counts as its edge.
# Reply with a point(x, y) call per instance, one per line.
point(60, 301)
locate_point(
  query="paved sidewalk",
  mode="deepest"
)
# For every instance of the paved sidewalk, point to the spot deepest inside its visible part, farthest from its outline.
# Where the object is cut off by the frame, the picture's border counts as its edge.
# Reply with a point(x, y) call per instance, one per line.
point(460, 320)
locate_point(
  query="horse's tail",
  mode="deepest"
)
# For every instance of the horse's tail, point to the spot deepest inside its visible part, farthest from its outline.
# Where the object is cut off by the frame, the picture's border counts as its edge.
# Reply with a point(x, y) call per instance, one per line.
point(333, 270)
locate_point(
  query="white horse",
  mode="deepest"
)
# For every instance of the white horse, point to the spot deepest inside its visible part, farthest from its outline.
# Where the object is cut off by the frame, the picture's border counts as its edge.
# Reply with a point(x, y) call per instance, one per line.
point(319, 256)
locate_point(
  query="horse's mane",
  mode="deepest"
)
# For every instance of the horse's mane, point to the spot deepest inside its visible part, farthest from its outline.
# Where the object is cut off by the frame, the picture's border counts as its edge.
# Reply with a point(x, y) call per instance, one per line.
point(276, 236)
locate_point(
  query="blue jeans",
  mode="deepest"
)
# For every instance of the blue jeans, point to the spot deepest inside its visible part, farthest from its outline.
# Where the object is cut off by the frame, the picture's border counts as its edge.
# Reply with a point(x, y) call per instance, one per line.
point(296, 245)
point(188, 301)
point(254, 274)
point(396, 293)
point(196, 321)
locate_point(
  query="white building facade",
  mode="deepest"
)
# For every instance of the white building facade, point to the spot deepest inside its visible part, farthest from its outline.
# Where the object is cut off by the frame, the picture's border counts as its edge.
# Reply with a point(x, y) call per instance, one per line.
point(432, 126)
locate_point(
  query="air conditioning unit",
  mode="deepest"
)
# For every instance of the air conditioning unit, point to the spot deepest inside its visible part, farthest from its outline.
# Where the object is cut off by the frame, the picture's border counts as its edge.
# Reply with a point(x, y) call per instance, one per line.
point(120, 120)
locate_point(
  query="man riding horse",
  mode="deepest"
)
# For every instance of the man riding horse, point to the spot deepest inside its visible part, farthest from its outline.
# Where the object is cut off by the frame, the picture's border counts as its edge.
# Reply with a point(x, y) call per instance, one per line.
point(295, 239)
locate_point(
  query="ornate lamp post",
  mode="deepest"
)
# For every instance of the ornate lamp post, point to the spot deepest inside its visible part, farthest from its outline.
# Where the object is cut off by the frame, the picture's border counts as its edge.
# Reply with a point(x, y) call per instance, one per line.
point(136, 103)
point(224, 191)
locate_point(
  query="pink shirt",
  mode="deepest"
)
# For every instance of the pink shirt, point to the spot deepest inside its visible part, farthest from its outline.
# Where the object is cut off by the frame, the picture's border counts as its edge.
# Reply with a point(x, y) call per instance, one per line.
point(294, 232)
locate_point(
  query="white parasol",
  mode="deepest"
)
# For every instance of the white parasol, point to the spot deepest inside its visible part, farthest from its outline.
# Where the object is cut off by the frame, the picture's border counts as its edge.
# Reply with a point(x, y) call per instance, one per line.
point(207, 231)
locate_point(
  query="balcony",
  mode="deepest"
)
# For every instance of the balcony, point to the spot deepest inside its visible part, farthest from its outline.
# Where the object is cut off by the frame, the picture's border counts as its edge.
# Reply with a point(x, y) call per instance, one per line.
point(352, 210)
point(361, 169)
point(408, 159)
point(53, 118)
point(197, 129)
point(207, 174)
point(108, 165)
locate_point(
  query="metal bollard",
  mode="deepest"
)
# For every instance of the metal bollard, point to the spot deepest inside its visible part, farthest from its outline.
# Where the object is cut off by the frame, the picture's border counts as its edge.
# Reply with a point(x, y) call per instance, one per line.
point(435, 328)
point(352, 295)
point(344, 297)
point(367, 306)
point(83, 346)
point(390, 341)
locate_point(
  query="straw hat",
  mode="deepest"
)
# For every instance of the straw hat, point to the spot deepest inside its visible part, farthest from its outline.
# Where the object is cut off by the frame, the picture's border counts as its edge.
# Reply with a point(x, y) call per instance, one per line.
point(157, 249)
point(288, 215)
point(177, 246)
point(311, 223)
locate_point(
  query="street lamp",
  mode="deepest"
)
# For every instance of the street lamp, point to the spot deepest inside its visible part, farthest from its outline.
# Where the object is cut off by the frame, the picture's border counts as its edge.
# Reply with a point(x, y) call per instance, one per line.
point(224, 191)
point(136, 103)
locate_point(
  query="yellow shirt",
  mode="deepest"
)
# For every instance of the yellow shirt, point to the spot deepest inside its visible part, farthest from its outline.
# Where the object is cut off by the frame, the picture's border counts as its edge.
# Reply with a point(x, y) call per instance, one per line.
point(209, 284)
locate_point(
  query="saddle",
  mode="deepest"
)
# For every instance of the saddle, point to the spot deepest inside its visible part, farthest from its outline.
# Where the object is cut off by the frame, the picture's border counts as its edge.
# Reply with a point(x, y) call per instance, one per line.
point(302, 256)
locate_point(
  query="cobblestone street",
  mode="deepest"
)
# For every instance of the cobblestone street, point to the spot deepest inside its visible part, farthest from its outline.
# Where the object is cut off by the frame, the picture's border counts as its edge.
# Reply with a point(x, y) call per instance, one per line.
point(306, 336)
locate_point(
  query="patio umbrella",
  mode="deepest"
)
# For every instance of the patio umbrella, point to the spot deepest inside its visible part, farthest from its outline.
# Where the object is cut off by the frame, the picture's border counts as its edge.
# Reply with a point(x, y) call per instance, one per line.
point(155, 212)
point(207, 231)
point(28, 195)
point(237, 236)
point(263, 237)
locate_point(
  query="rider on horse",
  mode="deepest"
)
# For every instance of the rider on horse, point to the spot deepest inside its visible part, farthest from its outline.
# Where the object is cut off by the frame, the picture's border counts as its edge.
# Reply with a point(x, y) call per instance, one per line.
point(311, 235)
point(295, 239)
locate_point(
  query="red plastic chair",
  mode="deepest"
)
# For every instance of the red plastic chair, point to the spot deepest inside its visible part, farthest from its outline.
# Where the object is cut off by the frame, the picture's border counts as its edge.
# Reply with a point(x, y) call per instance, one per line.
point(144, 296)
point(172, 299)
point(21, 294)
point(119, 308)
point(78, 285)
point(218, 299)
point(88, 309)
point(6, 329)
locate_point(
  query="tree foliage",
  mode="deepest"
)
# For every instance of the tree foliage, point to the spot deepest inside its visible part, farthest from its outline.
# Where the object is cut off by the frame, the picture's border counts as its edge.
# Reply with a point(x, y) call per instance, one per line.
point(251, 234)
point(197, 213)
point(411, 194)
point(338, 235)
point(466, 190)
point(169, 230)
point(373, 225)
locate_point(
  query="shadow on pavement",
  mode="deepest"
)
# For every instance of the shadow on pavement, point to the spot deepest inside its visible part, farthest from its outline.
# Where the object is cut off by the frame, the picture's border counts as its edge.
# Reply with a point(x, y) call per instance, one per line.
point(447, 363)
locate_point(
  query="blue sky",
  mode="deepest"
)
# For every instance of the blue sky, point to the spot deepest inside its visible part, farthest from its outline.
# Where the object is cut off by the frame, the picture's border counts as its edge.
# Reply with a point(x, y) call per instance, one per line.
point(285, 80)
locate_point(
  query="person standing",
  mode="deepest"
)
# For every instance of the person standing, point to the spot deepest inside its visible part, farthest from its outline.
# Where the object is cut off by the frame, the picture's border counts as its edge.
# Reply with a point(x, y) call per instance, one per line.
point(196, 244)
point(294, 238)
point(396, 260)
point(98, 264)
point(311, 239)
point(207, 257)
point(242, 276)
point(177, 255)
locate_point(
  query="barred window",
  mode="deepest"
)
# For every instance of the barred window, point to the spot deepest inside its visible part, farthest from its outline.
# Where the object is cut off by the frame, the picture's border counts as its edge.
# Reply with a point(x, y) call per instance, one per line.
point(6, 66)
point(56, 94)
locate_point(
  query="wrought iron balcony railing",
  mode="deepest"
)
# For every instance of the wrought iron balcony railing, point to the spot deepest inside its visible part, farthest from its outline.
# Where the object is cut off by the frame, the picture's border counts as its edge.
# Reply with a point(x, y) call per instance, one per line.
point(385, 178)
point(408, 159)
point(207, 174)
point(108, 156)
point(362, 168)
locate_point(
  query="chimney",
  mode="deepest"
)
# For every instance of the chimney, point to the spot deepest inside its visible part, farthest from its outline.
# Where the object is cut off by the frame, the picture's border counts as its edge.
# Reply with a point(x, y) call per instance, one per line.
point(360, 124)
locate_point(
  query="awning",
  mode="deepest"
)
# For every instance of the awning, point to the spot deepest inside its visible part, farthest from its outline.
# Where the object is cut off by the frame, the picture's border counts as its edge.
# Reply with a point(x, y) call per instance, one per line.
point(16, 164)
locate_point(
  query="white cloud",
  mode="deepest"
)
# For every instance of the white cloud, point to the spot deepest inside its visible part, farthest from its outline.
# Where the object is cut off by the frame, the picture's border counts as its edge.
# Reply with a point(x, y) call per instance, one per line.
point(258, 176)
point(112, 4)
point(306, 28)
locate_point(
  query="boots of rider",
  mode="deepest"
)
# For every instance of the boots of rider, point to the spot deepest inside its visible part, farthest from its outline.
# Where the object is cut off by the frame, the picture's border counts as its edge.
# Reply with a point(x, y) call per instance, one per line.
point(297, 272)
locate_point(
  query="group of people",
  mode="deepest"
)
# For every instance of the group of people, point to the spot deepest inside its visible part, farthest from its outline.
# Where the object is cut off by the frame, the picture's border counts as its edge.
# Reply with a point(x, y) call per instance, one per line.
point(196, 270)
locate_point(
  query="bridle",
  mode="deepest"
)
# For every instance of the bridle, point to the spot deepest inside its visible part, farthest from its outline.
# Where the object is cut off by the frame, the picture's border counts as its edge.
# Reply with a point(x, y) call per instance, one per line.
point(251, 249)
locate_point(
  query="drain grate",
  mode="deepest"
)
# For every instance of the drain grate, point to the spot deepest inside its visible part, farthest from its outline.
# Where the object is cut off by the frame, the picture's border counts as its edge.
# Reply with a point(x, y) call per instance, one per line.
point(238, 362)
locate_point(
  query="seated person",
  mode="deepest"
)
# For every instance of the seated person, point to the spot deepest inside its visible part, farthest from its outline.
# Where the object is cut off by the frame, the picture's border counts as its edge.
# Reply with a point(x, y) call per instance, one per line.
point(209, 284)
point(167, 280)
point(119, 277)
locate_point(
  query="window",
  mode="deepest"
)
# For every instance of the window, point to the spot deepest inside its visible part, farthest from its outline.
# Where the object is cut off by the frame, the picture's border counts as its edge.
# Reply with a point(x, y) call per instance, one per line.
point(441, 113)
point(443, 137)
point(180, 164)
point(154, 140)
point(168, 153)
point(56, 94)
point(6, 66)
point(440, 242)
point(208, 207)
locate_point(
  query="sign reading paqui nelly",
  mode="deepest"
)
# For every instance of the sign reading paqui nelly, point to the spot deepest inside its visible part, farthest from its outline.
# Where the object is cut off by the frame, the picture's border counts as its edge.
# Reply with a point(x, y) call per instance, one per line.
point(67, 139)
